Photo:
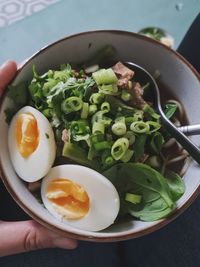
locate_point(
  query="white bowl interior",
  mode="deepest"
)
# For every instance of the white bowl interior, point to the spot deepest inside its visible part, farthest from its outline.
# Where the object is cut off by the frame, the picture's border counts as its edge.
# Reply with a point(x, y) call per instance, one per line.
point(178, 77)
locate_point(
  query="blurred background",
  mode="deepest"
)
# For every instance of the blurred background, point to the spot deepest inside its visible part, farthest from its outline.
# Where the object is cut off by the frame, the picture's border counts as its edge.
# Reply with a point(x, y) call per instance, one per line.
point(28, 25)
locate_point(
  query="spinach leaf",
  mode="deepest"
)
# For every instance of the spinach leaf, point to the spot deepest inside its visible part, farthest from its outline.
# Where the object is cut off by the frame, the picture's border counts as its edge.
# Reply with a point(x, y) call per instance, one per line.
point(152, 211)
point(169, 110)
point(176, 185)
point(158, 195)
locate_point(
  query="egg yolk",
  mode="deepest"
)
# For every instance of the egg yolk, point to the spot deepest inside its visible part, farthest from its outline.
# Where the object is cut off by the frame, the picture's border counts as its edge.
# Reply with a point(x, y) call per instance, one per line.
point(68, 198)
point(26, 134)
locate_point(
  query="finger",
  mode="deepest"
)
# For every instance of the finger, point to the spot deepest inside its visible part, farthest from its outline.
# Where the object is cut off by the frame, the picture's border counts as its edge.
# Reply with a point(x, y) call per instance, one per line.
point(7, 73)
point(18, 237)
point(44, 238)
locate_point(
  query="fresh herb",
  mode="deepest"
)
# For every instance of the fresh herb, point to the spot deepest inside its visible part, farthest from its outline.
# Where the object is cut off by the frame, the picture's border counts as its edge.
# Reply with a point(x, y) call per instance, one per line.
point(18, 95)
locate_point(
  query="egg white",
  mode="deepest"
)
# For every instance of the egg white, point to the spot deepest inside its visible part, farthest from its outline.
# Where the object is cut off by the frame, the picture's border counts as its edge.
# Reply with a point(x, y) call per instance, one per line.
point(36, 165)
point(103, 197)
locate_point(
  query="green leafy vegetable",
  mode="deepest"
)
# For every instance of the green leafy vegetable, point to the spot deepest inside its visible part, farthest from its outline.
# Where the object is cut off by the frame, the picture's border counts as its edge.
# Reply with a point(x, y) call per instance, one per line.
point(19, 97)
point(176, 185)
point(96, 126)
point(169, 110)
point(157, 196)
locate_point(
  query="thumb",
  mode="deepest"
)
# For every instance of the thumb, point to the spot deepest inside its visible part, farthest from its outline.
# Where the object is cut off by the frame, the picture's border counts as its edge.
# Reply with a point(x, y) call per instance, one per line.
point(38, 237)
point(7, 73)
point(17, 237)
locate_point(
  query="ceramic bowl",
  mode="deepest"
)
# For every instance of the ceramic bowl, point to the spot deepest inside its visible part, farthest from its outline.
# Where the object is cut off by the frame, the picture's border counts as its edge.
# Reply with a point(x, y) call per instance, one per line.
point(176, 74)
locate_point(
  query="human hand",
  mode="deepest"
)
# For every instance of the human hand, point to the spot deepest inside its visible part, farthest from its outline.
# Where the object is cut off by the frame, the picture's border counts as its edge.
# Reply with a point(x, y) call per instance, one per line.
point(24, 236)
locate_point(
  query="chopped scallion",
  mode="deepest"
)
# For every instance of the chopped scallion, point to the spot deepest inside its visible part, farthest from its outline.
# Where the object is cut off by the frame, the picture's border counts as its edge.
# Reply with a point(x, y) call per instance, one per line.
point(133, 198)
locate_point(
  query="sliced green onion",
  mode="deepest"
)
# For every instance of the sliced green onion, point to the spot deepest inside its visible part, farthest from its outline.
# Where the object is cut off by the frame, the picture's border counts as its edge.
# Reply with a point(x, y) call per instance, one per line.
point(71, 104)
point(102, 145)
point(148, 109)
point(153, 126)
point(92, 109)
point(105, 106)
point(96, 98)
point(116, 104)
point(107, 121)
point(99, 117)
point(130, 136)
point(127, 156)
point(119, 148)
point(109, 89)
point(138, 115)
point(133, 198)
point(126, 96)
point(140, 127)
point(78, 155)
point(104, 76)
point(107, 159)
point(79, 130)
point(98, 127)
point(96, 138)
point(119, 128)
point(85, 110)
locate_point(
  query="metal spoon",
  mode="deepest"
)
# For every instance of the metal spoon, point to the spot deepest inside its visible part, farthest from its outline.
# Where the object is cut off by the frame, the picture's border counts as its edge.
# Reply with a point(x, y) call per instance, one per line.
point(177, 133)
point(190, 129)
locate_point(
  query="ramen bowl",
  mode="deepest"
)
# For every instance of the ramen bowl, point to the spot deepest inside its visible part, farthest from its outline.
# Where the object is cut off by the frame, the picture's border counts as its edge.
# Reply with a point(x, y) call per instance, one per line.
point(175, 76)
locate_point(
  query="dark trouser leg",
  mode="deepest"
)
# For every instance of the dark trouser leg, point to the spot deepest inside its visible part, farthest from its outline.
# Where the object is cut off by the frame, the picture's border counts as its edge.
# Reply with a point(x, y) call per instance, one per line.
point(190, 46)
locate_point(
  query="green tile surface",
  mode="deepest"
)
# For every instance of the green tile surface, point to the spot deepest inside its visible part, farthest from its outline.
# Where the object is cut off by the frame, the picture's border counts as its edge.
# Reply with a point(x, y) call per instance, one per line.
point(18, 41)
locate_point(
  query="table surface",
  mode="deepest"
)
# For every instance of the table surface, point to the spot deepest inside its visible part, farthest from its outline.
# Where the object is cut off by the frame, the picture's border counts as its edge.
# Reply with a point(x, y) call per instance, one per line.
point(21, 39)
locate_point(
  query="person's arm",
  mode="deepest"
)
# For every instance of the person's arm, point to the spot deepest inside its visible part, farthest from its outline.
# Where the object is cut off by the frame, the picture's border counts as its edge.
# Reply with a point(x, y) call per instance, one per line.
point(17, 237)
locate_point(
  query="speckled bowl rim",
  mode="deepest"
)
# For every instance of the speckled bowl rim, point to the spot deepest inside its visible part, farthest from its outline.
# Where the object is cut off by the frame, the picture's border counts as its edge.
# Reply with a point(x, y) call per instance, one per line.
point(121, 236)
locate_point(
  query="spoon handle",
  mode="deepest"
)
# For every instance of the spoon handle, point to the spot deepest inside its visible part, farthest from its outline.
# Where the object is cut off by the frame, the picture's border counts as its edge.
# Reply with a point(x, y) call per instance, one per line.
point(183, 140)
point(190, 129)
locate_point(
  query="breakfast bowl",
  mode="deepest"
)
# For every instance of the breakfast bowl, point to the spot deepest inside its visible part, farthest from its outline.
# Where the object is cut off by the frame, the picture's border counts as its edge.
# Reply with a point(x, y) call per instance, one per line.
point(176, 79)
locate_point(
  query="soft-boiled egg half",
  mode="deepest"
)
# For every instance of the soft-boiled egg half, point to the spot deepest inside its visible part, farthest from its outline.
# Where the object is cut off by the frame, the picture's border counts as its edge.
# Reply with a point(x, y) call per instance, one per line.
point(31, 144)
point(80, 197)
